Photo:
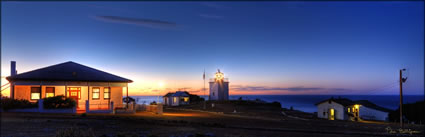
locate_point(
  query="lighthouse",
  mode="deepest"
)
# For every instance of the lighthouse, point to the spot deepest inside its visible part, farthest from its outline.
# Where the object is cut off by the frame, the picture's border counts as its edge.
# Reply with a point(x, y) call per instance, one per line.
point(219, 87)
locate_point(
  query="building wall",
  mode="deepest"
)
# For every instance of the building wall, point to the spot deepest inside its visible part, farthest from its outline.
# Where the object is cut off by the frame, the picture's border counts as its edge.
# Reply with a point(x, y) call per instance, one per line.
point(175, 101)
point(323, 108)
point(366, 113)
point(213, 91)
point(219, 91)
point(117, 96)
point(24, 92)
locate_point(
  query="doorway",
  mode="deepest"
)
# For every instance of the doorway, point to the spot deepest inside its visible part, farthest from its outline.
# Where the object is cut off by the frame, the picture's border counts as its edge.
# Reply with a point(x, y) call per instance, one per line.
point(74, 93)
point(331, 114)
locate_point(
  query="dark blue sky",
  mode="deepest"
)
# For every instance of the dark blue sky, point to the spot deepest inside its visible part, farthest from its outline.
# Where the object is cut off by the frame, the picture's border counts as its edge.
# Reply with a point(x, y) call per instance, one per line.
point(263, 47)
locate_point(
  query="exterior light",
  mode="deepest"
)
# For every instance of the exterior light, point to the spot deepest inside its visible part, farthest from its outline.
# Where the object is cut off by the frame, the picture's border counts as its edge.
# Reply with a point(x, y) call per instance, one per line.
point(356, 106)
point(219, 75)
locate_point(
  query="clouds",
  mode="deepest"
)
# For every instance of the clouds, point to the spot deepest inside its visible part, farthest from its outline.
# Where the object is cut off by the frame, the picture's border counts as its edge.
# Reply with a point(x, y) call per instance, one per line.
point(210, 16)
point(214, 5)
point(239, 88)
point(138, 21)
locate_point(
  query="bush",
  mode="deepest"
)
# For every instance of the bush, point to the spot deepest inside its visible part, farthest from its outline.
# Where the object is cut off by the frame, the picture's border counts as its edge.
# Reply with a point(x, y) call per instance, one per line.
point(413, 112)
point(75, 132)
point(153, 103)
point(128, 100)
point(9, 103)
point(58, 102)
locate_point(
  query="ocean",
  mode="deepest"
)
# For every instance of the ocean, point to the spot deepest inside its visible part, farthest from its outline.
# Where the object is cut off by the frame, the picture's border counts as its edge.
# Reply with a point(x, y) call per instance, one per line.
point(306, 102)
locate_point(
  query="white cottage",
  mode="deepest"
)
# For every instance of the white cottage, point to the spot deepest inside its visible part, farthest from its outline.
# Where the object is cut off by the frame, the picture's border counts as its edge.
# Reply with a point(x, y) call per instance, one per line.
point(345, 109)
point(176, 99)
point(84, 84)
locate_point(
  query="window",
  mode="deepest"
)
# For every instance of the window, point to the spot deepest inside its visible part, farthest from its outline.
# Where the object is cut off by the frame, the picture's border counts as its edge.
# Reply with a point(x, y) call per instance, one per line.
point(348, 109)
point(95, 93)
point(175, 99)
point(106, 93)
point(186, 99)
point(35, 93)
point(50, 92)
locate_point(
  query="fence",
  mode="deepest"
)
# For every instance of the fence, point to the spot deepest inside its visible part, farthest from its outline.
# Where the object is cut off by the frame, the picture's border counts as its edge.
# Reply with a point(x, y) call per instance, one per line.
point(158, 109)
point(110, 108)
point(41, 109)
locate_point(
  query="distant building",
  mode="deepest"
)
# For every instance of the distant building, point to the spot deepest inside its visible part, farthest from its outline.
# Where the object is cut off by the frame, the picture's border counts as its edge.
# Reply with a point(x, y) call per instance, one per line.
point(219, 87)
point(345, 109)
point(176, 99)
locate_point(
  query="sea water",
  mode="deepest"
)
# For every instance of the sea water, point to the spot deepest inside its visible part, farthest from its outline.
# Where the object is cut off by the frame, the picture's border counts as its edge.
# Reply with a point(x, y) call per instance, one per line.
point(307, 103)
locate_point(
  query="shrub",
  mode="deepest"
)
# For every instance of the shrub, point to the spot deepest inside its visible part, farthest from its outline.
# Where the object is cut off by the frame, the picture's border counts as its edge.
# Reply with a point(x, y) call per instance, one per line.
point(128, 100)
point(413, 112)
point(9, 103)
point(153, 103)
point(58, 102)
point(75, 132)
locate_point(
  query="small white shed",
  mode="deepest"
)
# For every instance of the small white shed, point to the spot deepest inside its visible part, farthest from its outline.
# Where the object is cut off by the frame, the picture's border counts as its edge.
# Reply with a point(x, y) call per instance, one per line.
point(345, 109)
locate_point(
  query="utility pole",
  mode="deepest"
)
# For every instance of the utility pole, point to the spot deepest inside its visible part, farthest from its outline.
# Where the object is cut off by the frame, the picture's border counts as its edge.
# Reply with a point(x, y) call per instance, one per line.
point(402, 80)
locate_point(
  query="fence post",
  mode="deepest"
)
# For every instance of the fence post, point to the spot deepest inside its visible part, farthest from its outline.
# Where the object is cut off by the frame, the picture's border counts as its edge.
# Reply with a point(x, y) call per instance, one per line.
point(159, 109)
point(112, 107)
point(40, 105)
point(87, 106)
point(74, 109)
point(134, 107)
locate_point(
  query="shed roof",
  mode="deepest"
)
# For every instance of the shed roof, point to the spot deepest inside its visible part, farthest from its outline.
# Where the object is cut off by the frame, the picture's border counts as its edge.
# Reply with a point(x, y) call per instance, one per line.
point(369, 104)
point(68, 71)
point(347, 102)
point(342, 101)
point(180, 94)
point(168, 94)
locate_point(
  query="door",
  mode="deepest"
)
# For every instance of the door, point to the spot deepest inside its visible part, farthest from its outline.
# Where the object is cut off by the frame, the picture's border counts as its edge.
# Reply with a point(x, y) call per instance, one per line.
point(74, 93)
point(331, 114)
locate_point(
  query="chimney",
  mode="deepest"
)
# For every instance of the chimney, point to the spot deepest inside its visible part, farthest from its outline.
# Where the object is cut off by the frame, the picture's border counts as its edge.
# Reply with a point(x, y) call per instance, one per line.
point(13, 71)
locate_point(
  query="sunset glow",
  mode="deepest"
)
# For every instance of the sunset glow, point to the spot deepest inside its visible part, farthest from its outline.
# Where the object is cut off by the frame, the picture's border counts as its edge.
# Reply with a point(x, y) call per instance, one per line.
point(298, 53)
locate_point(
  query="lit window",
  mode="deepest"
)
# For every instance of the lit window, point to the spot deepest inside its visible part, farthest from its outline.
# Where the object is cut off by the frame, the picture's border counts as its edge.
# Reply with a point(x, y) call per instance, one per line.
point(35, 93)
point(186, 99)
point(74, 93)
point(175, 99)
point(348, 109)
point(95, 93)
point(106, 93)
point(50, 92)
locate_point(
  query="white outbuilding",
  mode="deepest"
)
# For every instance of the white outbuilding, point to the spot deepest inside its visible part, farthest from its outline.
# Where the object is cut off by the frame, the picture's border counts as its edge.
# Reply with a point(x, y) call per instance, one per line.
point(345, 109)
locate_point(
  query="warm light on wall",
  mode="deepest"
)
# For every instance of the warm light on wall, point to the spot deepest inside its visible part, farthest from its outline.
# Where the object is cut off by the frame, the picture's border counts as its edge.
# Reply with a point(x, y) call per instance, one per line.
point(356, 106)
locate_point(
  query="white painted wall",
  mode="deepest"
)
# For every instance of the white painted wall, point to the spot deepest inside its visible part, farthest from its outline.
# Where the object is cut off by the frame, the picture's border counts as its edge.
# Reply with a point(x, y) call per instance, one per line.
point(175, 101)
point(322, 110)
point(372, 114)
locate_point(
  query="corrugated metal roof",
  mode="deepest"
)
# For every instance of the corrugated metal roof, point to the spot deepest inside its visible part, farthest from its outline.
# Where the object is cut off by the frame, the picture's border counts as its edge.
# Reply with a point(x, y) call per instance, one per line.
point(68, 71)
point(177, 94)
point(369, 104)
point(346, 102)
point(342, 101)
point(180, 94)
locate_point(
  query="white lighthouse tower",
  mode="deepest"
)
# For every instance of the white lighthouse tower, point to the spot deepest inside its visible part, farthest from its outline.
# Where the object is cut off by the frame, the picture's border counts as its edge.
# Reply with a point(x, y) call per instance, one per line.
point(219, 87)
